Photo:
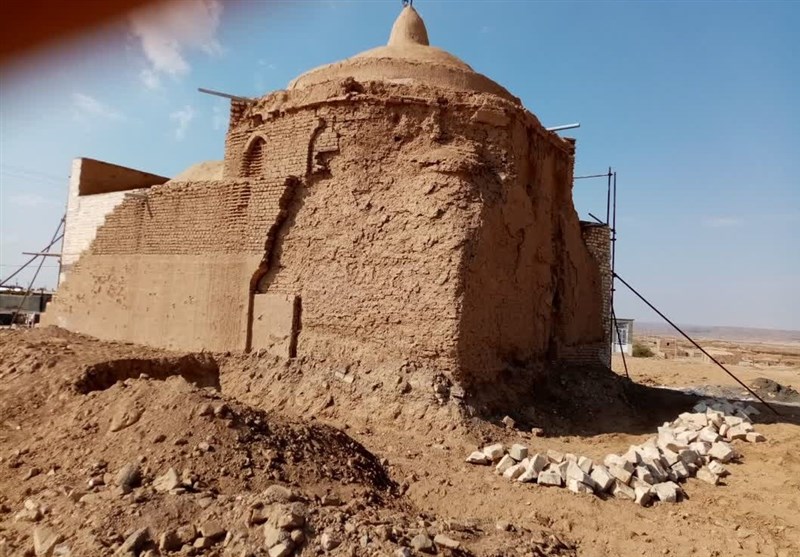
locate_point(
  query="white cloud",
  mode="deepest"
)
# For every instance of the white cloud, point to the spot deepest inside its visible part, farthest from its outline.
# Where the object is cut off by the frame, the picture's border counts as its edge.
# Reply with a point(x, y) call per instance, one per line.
point(31, 200)
point(722, 222)
point(167, 30)
point(86, 107)
point(150, 79)
point(182, 119)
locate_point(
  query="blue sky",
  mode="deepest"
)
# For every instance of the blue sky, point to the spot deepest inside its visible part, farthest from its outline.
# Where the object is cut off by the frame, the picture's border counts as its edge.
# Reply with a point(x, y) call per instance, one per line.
point(696, 105)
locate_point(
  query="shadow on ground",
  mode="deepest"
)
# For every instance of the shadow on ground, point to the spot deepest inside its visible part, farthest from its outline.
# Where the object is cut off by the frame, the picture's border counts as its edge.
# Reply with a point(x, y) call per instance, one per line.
point(587, 402)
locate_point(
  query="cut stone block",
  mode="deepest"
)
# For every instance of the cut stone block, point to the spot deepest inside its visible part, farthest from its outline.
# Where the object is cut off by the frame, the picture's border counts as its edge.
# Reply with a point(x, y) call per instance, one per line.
point(622, 491)
point(585, 464)
point(602, 478)
point(550, 477)
point(648, 451)
point(514, 472)
point(643, 495)
point(555, 456)
point(688, 456)
point(755, 437)
point(562, 469)
point(701, 448)
point(708, 435)
point(717, 468)
point(737, 432)
point(574, 472)
point(733, 421)
point(477, 457)
point(631, 456)
point(715, 418)
point(578, 487)
point(667, 492)
point(529, 475)
point(505, 463)
point(533, 466)
point(643, 473)
point(620, 474)
point(722, 451)
point(723, 430)
point(706, 475)
point(696, 420)
point(494, 452)
point(686, 437)
point(636, 482)
point(518, 452)
point(657, 470)
point(671, 457)
point(616, 460)
point(538, 462)
point(670, 443)
point(671, 475)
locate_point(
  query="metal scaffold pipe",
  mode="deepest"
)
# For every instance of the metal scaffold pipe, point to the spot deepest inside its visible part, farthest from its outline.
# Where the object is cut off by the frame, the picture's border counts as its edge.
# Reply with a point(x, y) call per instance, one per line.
point(690, 339)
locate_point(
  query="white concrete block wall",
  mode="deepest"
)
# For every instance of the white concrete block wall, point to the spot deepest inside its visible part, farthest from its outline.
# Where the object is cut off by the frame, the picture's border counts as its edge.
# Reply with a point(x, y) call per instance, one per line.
point(85, 214)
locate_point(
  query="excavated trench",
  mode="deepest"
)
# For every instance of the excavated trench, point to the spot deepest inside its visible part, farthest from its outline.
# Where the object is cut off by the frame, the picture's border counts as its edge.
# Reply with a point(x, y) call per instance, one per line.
point(199, 369)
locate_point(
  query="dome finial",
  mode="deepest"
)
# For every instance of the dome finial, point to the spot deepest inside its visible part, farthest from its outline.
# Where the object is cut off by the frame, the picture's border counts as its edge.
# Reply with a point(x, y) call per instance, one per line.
point(408, 28)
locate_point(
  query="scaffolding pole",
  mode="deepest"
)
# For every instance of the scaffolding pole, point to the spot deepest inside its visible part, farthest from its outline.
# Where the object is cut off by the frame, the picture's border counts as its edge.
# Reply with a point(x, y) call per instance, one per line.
point(690, 339)
point(29, 261)
point(38, 269)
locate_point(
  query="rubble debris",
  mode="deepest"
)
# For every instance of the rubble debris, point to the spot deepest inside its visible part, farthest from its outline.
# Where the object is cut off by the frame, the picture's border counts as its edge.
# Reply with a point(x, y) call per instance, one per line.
point(509, 422)
point(695, 444)
point(518, 452)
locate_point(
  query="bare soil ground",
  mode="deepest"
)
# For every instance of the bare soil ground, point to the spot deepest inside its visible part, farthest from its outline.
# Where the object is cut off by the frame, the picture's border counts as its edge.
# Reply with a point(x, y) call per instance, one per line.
point(372, 464)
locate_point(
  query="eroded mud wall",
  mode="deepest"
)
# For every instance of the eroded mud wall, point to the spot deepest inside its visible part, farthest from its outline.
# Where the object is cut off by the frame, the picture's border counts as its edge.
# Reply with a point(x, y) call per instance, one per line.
point(373, 238)
point(531, 286)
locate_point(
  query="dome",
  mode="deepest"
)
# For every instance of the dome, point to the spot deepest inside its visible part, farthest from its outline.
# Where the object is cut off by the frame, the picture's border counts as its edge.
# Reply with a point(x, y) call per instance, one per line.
point(407, 58)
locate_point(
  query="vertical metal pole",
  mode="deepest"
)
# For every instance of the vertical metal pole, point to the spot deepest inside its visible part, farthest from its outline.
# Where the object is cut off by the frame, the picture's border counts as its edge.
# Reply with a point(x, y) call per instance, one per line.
point(608, 196)
point(613, 232)
point(614, 226)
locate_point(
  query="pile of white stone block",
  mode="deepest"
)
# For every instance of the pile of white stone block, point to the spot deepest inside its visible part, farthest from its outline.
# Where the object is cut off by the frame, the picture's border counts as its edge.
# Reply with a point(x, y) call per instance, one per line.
point(697, 444)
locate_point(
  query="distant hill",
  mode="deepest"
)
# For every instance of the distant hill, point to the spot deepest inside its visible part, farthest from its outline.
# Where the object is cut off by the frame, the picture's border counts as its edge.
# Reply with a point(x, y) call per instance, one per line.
point(732, 334)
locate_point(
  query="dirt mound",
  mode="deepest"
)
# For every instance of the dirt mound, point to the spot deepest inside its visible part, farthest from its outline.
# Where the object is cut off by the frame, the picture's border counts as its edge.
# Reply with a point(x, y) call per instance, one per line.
point(772, 390)
point(109, 449)
point(216, 450)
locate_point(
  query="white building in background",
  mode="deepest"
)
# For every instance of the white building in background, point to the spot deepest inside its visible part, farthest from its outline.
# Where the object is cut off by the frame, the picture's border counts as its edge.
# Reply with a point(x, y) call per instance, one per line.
point(622, 336)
